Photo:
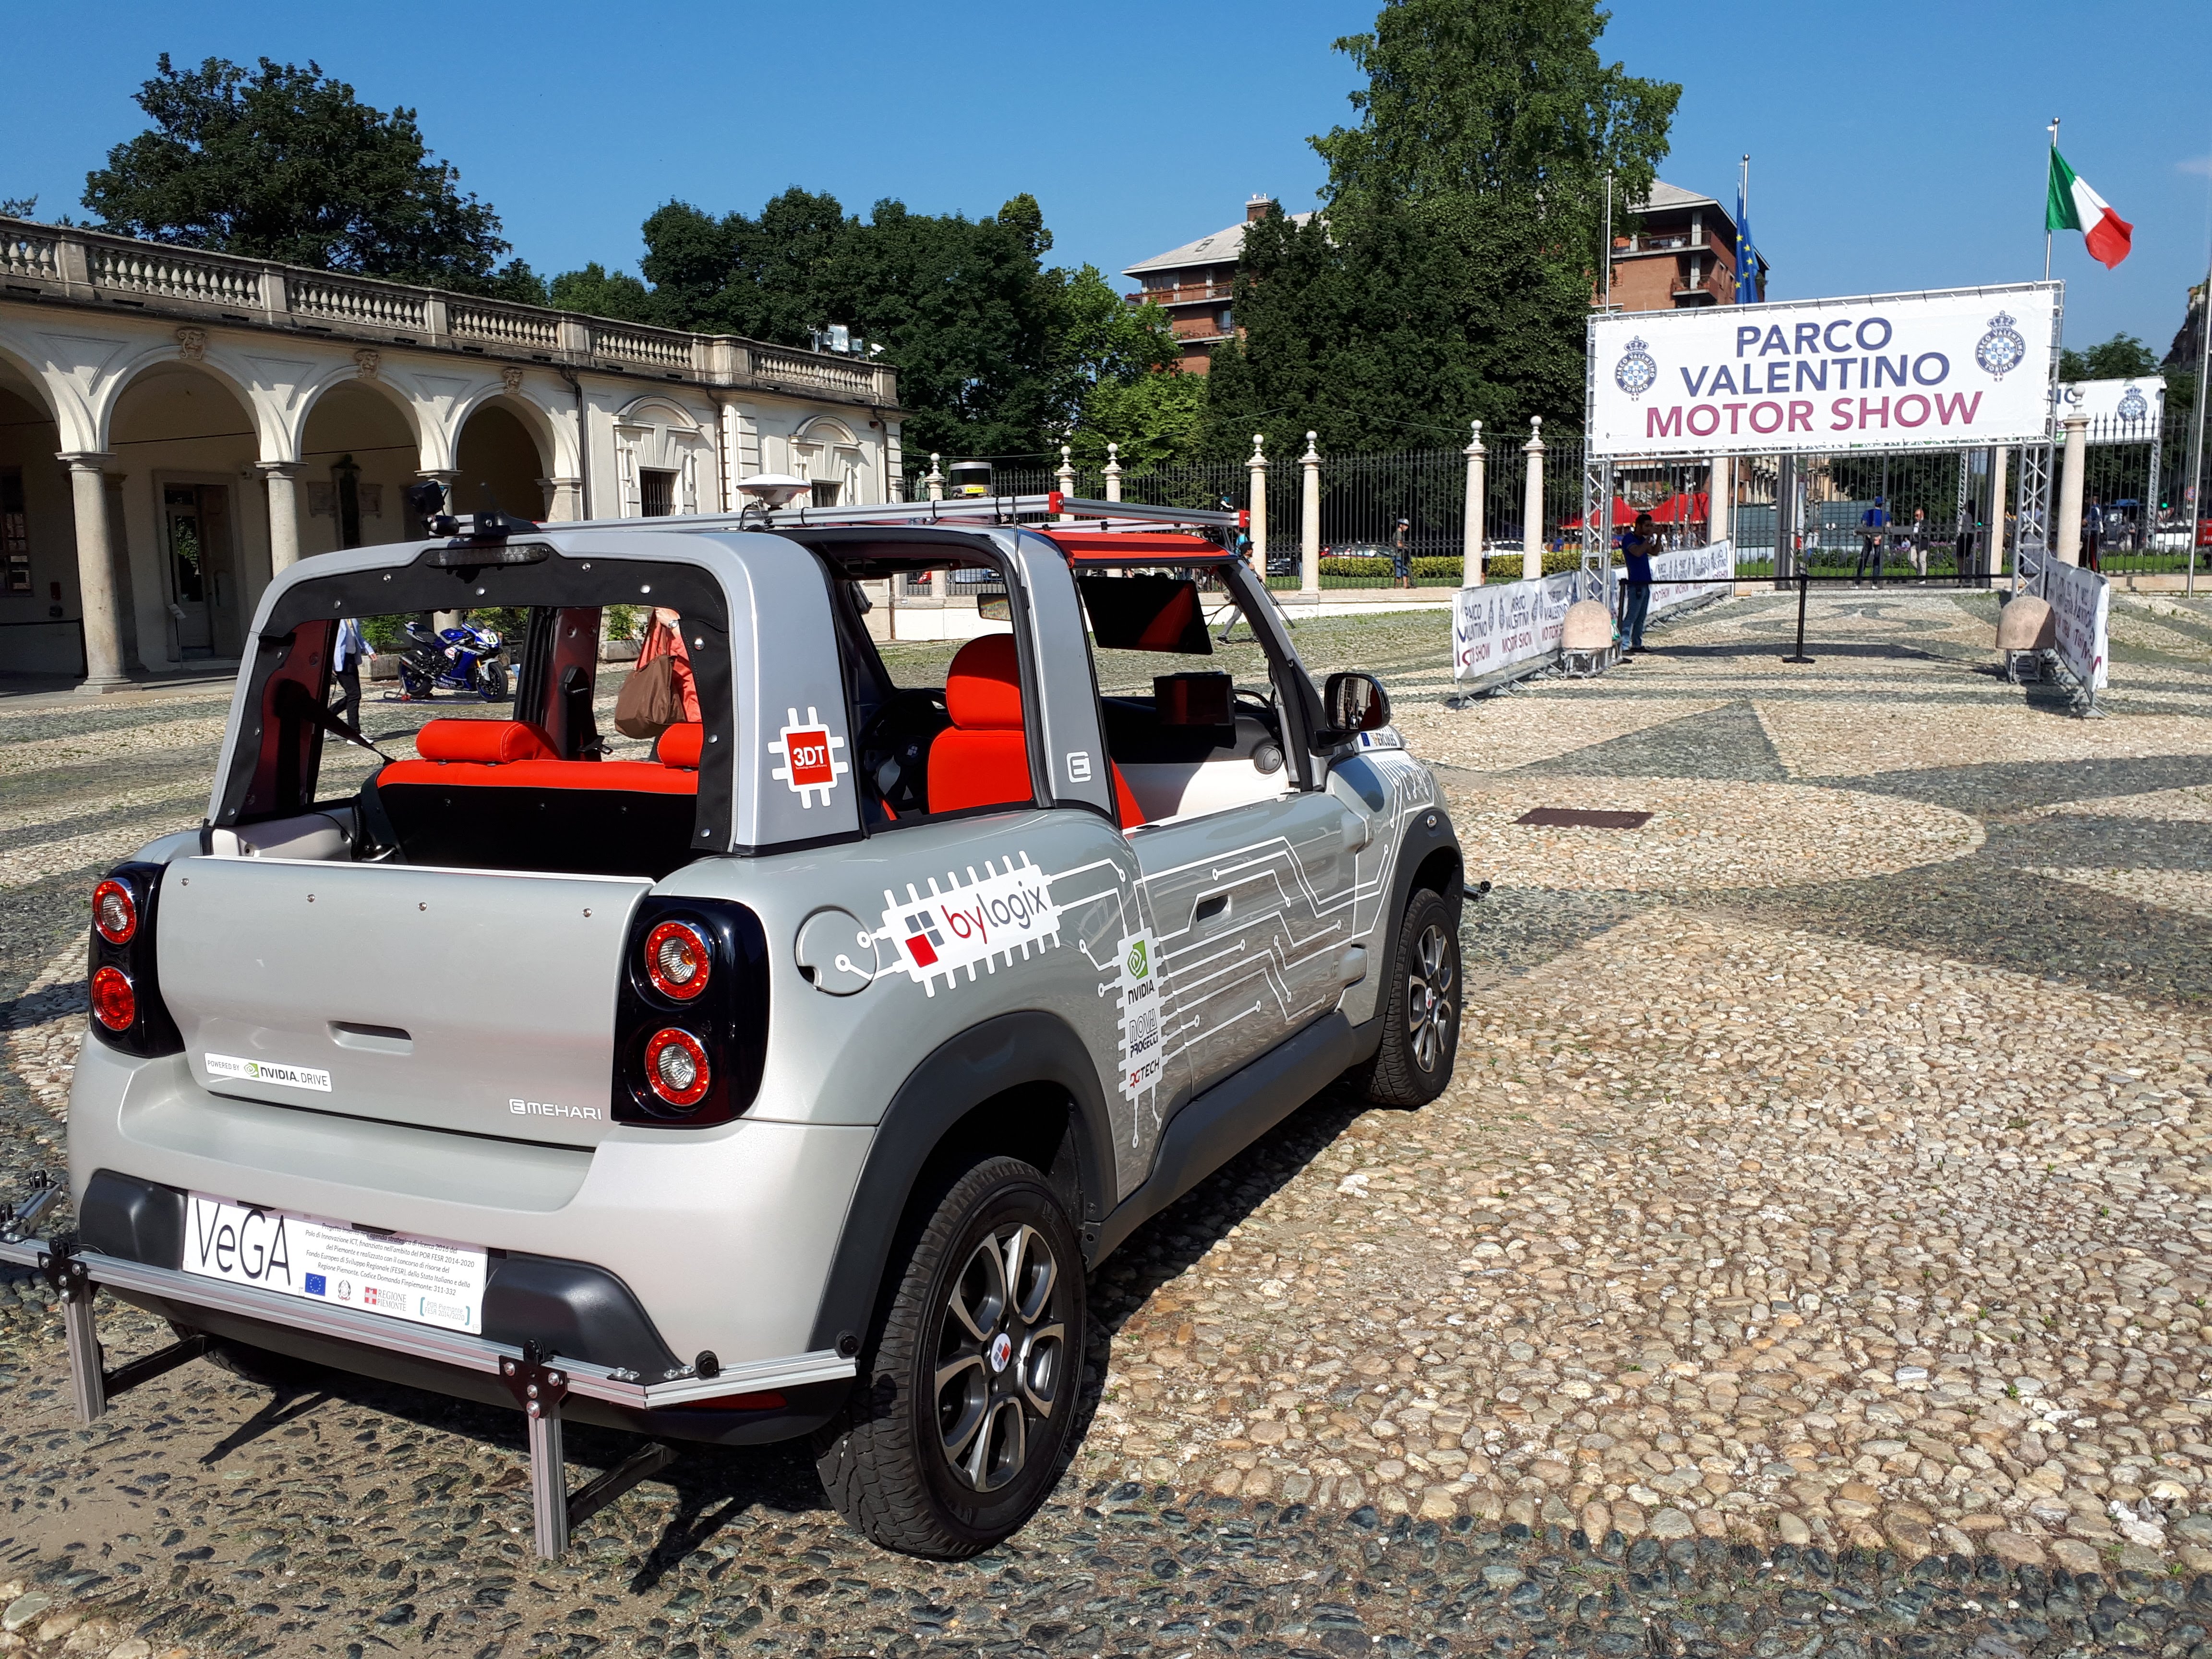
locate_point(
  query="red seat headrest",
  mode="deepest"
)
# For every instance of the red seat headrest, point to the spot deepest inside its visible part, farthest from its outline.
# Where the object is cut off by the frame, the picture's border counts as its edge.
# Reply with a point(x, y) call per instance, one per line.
point(486, 743)
point(679, 745)
point(983, 692)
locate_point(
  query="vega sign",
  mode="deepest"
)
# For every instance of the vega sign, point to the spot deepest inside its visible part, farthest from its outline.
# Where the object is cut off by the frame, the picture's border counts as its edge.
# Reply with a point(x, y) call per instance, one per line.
point(1957, 368)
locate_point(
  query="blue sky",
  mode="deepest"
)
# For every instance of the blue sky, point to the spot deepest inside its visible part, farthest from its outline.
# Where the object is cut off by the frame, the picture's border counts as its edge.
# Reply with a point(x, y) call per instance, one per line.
point(1893, 145)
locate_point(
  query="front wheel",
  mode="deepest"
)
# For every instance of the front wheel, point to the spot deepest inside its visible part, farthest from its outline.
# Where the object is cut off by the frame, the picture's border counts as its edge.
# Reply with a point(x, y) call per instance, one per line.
point(958, 1423)
point(1420, 1019)
point(495, 680)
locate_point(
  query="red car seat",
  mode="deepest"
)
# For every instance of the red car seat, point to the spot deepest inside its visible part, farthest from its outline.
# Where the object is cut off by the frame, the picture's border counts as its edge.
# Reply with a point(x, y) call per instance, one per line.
point(982, 759)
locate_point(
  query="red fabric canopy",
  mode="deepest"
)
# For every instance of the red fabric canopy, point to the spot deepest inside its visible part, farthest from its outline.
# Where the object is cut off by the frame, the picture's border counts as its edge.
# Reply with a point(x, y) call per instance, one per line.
point(1687, 508)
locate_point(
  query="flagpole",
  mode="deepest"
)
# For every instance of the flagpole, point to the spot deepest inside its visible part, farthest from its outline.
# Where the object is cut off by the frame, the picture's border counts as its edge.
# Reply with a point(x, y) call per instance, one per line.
point(1742, 213)
point(2046, 190)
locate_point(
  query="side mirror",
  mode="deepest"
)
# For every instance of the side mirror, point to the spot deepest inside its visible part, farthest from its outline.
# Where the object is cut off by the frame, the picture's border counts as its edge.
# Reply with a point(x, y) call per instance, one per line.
point(1352, 703)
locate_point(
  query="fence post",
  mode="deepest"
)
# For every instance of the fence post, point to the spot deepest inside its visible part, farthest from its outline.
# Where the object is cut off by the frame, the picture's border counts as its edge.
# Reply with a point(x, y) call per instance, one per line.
point(1470, 574)
point(1532, 503)
point(1257, 469)
point(935, 481)
point(1066, 479)
point(1998, 455)
point(1720, 498)
point(2069, 545)
point(1112, 472)
point(1310, 520)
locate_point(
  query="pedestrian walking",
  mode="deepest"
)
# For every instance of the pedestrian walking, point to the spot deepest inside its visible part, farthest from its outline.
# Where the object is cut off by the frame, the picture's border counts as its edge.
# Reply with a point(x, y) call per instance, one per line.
point(2093, 535)
point(1401, 553)
point(345, 662)
point(1916, 540)
point(1874, 532)
point(1636, 548)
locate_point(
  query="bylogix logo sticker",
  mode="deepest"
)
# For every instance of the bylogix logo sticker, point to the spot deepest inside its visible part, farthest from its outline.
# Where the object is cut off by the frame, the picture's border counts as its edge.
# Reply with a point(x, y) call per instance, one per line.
point(982, 922)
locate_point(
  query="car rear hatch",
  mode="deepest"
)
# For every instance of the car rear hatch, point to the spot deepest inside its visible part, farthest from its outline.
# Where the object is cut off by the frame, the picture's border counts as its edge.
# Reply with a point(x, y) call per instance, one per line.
point(469, 1000)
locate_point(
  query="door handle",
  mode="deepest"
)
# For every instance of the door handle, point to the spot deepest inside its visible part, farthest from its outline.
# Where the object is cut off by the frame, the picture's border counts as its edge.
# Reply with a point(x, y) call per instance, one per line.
point(1210, 907)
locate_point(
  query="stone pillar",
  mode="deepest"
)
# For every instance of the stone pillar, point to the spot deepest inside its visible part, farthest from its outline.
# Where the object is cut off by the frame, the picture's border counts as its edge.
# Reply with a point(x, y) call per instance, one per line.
point(564, 500)
point(1532, 504)
point(1256, 468)
point(95, 574)
point(1066, 476)
point(283, 480)
point(2067, 548)
point(1999, 454)
point(1112, 472)
point(1309, 520)
point(935, 482)
point(1720, 500)
point(1477, 495)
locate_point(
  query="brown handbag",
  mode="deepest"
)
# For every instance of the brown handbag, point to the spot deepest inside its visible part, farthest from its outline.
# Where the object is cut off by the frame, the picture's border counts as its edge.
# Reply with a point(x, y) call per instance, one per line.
point(649, 703)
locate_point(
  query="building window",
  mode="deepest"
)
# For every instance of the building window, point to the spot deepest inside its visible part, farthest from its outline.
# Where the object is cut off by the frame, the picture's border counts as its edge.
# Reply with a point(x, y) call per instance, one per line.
point(825, 492)
point(1222, 322)
point(14, 534)
point(656, 492)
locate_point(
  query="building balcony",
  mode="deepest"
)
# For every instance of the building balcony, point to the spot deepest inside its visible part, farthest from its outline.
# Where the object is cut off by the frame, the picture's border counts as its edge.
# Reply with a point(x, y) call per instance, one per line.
point(71, 266)
point(1184, 294)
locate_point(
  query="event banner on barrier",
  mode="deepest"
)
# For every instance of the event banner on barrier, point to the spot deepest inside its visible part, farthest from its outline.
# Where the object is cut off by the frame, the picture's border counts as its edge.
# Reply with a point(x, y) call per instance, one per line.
point(1495, 627)
point(1952, 369)
point(2081, 613)
point(2131, 412)
point(1690, 576)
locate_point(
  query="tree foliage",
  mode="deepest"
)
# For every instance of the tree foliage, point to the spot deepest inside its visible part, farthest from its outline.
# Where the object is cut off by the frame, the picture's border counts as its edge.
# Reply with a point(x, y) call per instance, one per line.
point(997, 354)
point(2120, 358)
point(1448, 279)
point(286, 163)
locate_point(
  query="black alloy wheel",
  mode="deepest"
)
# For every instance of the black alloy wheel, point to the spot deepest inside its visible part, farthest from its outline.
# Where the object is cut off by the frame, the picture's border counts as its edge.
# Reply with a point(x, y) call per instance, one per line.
point(1421, 1015)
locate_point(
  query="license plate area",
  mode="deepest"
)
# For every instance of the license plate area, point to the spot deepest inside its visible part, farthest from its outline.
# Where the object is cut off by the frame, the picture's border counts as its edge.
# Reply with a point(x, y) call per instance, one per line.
point(424, 1281)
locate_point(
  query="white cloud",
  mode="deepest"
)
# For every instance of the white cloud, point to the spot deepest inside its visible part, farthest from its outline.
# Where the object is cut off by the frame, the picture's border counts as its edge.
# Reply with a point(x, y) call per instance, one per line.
point(2201, 165)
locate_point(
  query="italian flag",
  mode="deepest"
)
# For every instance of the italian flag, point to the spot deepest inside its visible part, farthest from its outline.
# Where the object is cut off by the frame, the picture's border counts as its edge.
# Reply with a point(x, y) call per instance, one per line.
point(2073, 206)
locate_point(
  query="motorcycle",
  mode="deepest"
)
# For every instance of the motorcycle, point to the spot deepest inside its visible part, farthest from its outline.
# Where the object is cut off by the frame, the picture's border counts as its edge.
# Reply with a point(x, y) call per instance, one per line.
point(466, 659)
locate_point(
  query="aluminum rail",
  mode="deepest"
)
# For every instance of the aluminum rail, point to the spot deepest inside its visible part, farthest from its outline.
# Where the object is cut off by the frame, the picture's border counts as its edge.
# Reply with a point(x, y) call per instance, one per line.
point(538, 1380)
point(1033, 512)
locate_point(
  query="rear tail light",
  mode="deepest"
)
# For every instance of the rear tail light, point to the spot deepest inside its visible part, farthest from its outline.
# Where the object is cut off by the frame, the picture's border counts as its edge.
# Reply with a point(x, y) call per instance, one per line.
point(677, 960)
point(128, 1013)
point(676, 1067)
point(691, 1014)
point(114, 1004)
point(114, 912)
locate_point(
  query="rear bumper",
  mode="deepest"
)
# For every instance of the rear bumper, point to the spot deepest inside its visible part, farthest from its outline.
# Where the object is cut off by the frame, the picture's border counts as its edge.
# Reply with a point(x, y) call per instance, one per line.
point(470, 1367)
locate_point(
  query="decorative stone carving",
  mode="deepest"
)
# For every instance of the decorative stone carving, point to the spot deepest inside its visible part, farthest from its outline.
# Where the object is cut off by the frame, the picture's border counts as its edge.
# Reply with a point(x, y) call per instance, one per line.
point(511, 378)
point(367, 361)
point(192, 344)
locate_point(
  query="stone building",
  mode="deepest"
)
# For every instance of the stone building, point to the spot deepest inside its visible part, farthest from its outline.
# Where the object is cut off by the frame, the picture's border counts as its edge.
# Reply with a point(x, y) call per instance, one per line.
point(1191, 283)
point(177, 426)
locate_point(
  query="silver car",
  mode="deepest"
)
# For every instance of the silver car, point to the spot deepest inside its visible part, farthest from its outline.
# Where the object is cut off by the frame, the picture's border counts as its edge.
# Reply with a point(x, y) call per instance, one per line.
point(787, 1079)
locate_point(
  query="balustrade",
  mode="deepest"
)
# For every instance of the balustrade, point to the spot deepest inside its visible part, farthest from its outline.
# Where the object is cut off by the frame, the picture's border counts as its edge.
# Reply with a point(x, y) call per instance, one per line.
point(23, 254)
point(535, 331)
point(173, 276)
point(662, 348)
point(358, 302)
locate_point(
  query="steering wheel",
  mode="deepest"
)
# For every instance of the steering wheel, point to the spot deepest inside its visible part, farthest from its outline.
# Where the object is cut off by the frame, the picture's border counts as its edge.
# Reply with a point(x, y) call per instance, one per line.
point(894, 747)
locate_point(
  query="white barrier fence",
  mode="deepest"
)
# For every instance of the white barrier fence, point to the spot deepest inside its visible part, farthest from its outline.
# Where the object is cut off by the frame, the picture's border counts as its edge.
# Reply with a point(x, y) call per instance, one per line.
point(2080, 614)
point(1675, 576)
point(1503, 625)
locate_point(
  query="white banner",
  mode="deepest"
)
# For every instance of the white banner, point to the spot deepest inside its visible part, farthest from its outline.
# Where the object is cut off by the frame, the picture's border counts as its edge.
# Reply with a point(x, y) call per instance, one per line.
point(2080, 609)
point(1683, 566)
point(1955, 368)
point(2119, 411)
point(1497, 626)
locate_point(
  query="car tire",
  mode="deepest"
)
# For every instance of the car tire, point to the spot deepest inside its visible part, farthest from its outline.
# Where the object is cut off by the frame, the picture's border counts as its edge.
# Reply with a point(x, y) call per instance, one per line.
point(1421, 1015)
point(961, 1419)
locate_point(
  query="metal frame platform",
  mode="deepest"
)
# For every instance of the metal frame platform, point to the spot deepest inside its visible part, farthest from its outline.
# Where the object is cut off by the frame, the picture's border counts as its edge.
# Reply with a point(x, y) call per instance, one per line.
point(537, 1379)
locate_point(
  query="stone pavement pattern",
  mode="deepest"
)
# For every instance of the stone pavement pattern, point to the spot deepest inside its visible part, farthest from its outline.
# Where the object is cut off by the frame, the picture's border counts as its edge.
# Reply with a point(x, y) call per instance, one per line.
point(1823, 1192)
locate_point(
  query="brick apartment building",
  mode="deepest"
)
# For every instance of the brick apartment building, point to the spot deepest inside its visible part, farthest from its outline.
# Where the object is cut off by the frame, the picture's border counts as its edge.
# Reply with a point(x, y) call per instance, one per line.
point(1191, 283)
point(1681, 254)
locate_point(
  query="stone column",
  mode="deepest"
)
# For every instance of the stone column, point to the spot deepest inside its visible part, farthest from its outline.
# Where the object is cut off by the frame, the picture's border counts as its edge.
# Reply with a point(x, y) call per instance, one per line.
point(1720, 499)
point(1999, 454)
point(2067, 547)
point(1477, 494)
point(1256, 468)
point(1112, 472)
point(1066, 476)
point(283, 480)
point(564, 500)
point(1532, 503)
point(935, 482)
point(1309, 520)
point(95, 574)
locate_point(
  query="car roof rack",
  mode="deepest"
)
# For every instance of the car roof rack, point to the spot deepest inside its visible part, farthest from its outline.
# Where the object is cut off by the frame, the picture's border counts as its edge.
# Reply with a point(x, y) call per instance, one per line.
point(1039, 512)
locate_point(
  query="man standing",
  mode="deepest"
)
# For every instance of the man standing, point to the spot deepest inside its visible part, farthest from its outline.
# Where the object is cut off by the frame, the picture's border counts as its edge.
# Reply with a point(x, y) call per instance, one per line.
point(1873, 531)
point(2093, 535)
point(1917, 541)
point(1402, 558)
point(345, 662)
point(1636, 590)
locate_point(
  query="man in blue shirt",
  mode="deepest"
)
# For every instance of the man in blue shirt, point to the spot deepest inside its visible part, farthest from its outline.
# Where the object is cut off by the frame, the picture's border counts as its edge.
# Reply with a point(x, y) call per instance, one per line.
point(1873, 538)
point(1636, 590)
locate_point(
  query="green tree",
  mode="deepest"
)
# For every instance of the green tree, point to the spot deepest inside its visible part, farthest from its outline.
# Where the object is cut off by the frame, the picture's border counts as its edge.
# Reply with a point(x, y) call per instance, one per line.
point(286, 163)
point(1448, 276)
point(2121, 358)
point(597, 292)
point(1119, 375)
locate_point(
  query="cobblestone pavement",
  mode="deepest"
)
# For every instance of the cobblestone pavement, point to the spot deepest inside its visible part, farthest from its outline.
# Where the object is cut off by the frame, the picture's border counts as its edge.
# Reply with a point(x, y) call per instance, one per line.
point(1811, 1255)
